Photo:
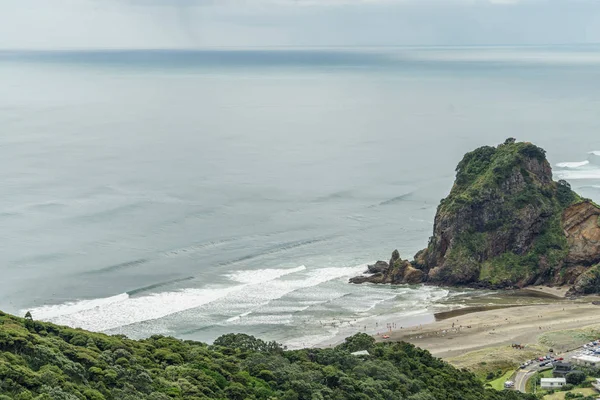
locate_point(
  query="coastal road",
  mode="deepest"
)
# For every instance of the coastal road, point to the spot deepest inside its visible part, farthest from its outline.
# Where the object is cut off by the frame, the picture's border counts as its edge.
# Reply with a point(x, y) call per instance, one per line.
point(523, 376)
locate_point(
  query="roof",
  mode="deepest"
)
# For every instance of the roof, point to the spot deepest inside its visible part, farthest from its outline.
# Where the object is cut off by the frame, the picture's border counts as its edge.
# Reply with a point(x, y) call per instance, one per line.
point(588, 358)
point(562, 364)
point(554, 380)
point(360, 353)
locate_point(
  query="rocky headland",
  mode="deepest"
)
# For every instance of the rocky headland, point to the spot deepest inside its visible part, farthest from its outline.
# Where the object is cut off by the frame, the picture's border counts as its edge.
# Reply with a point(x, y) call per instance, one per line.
point(505, 224)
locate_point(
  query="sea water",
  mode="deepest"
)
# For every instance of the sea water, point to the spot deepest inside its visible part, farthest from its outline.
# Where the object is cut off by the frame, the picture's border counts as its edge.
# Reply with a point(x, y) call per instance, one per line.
point(195, 193)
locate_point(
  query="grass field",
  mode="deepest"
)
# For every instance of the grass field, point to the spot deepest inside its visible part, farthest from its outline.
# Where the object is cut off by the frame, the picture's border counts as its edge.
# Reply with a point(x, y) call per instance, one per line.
point(569, 339)
point(498, 383)
point(561, 395)
point(494, 359)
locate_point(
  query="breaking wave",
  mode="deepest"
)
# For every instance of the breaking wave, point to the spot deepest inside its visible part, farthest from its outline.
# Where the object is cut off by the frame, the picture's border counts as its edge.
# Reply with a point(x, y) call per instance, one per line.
point(580, 170)
point(124, 309)
point(575, 164)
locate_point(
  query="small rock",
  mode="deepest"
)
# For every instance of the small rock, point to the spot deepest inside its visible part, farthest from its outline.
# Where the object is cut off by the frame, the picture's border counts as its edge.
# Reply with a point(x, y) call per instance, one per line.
point(379, 266)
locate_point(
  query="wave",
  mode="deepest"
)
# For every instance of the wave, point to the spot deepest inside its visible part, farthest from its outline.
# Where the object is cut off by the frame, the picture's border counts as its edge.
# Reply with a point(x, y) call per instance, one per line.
point(258, 275)
point(277, 249)
point(122, 310)
point(396, 199)
point(158, 285)
point(48, 312)
point(579, 174)
point(580, 170)
point(574, 164)
point(340, 195)
point(237, 317)
point(276, 289)
point(120, 266)
point(196, 247)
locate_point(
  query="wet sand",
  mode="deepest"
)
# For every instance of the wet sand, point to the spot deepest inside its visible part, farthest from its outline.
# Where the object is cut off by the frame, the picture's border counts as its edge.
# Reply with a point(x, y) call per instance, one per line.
point(460, 333)
point(440, 316)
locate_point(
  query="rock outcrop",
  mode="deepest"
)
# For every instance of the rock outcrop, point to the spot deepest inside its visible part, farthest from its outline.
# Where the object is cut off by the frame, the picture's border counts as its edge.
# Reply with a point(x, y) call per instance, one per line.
point(581, 224)
point(397, 271)
point(505, 223)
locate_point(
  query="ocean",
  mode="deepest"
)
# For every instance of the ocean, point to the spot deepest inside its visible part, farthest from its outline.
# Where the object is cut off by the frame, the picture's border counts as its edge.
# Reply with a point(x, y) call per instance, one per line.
point(196, 193)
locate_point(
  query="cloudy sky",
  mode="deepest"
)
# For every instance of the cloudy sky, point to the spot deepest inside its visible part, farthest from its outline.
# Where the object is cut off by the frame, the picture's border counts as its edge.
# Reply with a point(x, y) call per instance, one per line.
point(205, 23)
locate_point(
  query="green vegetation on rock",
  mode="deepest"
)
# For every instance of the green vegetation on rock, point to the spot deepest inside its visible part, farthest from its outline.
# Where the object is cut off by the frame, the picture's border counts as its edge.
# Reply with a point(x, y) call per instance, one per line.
point(43, 361)
point(501, 223)
point(505, 223)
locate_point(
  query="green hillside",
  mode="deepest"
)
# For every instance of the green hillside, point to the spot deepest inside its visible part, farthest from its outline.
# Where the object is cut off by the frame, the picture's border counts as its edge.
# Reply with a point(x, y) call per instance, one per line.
point(43, 361)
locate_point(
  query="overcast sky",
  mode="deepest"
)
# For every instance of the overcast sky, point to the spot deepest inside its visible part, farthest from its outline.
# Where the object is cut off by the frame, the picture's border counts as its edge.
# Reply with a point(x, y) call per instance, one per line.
point(240, 23)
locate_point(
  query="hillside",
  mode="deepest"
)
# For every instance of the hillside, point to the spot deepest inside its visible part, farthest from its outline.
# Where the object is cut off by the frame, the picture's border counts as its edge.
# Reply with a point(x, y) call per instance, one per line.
point(506, 223)
point(43, 361)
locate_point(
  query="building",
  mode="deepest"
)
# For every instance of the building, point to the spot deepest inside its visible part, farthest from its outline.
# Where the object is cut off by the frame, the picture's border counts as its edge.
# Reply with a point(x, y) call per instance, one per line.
point(360, 353)
point(588, 361)
point(552, 383)
point(561, 369)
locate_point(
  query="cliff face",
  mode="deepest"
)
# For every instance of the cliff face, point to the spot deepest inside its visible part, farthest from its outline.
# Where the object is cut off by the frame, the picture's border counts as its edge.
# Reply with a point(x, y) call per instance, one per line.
point(505, 223)
point(581, 224)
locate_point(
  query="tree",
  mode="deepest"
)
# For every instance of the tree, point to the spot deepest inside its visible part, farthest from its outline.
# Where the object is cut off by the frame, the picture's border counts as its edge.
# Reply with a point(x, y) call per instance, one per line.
point(360, 341)
point(575, 377)
point(29, 321)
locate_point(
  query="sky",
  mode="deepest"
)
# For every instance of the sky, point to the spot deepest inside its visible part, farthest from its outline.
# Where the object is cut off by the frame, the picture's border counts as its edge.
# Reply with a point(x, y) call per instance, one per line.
point(92, 24)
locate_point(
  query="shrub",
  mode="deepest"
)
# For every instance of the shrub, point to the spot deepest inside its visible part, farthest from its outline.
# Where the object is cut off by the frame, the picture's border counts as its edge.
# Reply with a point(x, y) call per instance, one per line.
point(575, 377)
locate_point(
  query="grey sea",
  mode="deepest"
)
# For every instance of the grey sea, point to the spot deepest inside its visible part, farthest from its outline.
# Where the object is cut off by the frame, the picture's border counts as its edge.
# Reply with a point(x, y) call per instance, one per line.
point(195, 193)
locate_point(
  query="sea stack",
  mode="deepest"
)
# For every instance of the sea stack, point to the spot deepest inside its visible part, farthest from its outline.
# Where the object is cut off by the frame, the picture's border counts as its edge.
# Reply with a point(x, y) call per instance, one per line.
point(506, 223)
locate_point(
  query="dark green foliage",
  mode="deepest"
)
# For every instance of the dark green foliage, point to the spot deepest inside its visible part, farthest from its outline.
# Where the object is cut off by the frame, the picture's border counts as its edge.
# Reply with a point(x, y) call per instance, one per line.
point(486, 168)
point(72, 364)
point(360, 341)
point(564, 194)
point(532, 151)
point(575, 377)
point(249, 343)
point(473, 164)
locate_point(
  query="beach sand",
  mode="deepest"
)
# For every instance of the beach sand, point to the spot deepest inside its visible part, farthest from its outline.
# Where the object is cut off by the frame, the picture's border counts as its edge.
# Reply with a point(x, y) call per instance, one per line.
point(457, 335)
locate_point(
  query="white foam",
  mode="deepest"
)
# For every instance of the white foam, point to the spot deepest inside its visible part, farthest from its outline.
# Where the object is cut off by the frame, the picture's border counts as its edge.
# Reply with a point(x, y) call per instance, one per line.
point(237, 317)
point(52, 311)
point(259, 275)
point(117, 311)
point(277, 288)
point(579, 174)
point(574, 164)
point(128, 310)
point(279, 319)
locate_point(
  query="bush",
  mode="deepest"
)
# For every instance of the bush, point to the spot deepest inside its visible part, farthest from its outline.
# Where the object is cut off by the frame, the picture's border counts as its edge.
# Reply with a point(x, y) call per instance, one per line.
point(575, 377)
point(567, 387)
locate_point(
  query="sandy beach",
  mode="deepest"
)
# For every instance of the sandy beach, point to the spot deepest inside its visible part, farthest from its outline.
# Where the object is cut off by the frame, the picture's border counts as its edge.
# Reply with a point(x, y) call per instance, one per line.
point(473, 331)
